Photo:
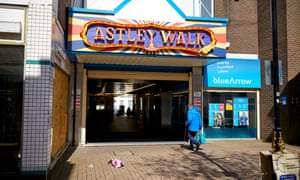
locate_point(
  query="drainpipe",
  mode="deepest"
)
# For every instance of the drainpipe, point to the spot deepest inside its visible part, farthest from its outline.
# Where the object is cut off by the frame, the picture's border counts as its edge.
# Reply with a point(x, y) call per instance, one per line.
point(74, 103)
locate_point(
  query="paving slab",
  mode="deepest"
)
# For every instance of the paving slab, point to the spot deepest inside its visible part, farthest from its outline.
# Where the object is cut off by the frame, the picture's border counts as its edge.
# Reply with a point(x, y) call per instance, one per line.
point(217, 159)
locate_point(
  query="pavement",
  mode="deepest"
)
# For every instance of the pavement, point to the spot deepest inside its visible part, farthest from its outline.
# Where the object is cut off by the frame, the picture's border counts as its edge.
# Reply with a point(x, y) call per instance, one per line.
point(217, 159)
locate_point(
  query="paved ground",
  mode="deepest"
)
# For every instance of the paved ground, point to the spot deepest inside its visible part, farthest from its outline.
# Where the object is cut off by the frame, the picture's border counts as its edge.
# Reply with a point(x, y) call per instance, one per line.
point(234, 159)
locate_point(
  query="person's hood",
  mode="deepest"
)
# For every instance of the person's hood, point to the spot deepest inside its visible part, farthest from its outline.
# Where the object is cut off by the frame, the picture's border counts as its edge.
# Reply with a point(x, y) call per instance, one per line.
point(196, 109)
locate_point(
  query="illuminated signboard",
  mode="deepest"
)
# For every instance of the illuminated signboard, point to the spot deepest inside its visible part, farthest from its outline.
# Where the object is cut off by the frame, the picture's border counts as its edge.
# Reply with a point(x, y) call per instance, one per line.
point(150, 37)
point(96, 33)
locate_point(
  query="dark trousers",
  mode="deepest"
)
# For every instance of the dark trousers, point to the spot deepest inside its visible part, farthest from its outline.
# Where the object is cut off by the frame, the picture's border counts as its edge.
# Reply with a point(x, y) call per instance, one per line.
point(191, 136)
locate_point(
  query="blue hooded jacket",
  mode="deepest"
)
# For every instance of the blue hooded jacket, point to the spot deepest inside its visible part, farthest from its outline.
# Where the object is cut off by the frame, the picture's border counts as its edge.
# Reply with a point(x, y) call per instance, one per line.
point(194, 120)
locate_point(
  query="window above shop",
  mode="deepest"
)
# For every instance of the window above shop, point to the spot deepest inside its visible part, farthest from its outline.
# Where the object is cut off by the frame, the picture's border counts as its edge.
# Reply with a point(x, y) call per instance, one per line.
point(196, 8)
point(12, 24)
point(110, 5)
point(184, 8)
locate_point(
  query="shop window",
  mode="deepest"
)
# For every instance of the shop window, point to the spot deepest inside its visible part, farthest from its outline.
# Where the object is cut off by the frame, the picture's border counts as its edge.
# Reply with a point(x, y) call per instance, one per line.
point(197, 8)
point(12, 24)
point(230, 115)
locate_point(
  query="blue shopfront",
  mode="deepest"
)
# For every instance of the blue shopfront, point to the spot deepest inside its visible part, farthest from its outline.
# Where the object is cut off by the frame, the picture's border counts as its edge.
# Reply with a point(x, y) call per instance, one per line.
point(230, 98)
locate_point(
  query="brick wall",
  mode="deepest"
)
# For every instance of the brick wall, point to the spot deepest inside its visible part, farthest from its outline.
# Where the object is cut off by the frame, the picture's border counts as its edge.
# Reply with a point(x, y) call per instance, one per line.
point(291, 125)
point(242, 30)
point(288, 52)
point(249, 30)
point(293, 31)
point(265, 53)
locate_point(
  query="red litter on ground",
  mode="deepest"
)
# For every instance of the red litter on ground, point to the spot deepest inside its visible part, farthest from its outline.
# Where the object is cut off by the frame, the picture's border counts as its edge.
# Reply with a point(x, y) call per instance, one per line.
point(117, 163)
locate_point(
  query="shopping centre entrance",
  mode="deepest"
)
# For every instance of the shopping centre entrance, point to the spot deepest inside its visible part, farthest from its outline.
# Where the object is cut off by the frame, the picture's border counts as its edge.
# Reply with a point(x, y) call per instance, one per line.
point(135, 110)
point(165, 57)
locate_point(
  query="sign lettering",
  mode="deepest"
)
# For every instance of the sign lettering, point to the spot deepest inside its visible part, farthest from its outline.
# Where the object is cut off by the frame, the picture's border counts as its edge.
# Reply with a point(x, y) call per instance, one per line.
point(148, 37)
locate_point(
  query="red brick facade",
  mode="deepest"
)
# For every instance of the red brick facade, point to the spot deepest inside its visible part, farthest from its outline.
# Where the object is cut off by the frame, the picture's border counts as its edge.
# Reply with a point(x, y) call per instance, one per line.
point(249, 31)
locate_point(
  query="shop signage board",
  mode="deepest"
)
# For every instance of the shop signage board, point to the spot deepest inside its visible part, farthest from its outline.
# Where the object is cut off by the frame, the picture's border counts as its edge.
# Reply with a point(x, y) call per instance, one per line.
point(96, 33)
point(233, 73)
point(149, 37)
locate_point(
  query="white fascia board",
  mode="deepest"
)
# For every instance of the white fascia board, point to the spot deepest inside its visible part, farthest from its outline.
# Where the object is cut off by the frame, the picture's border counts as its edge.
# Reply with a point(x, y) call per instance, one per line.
point(241, 56)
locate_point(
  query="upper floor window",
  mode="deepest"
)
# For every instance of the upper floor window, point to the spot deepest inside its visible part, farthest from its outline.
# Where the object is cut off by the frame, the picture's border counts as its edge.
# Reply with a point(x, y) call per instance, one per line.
point(198, 8)
point(12, 24)
point(134, 8)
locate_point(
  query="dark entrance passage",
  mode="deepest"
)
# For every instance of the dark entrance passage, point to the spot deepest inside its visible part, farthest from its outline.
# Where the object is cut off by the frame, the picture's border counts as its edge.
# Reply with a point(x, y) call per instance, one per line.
point(135, 110)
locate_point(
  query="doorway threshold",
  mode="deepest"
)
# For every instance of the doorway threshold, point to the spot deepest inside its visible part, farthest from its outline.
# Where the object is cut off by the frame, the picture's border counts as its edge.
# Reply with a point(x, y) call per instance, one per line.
point(132, 143)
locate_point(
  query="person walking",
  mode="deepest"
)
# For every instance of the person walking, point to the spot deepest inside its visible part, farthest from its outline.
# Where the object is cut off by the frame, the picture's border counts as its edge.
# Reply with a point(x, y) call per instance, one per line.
point(193, 124)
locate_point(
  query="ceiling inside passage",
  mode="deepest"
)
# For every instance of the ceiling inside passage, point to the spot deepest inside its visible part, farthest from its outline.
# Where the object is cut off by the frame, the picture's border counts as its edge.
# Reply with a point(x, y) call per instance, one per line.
point(118, 87)
point(102, 87)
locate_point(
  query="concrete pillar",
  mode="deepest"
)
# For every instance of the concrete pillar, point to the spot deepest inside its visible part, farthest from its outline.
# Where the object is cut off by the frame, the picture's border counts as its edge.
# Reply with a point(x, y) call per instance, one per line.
point(79, 130)
point(197, 86)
